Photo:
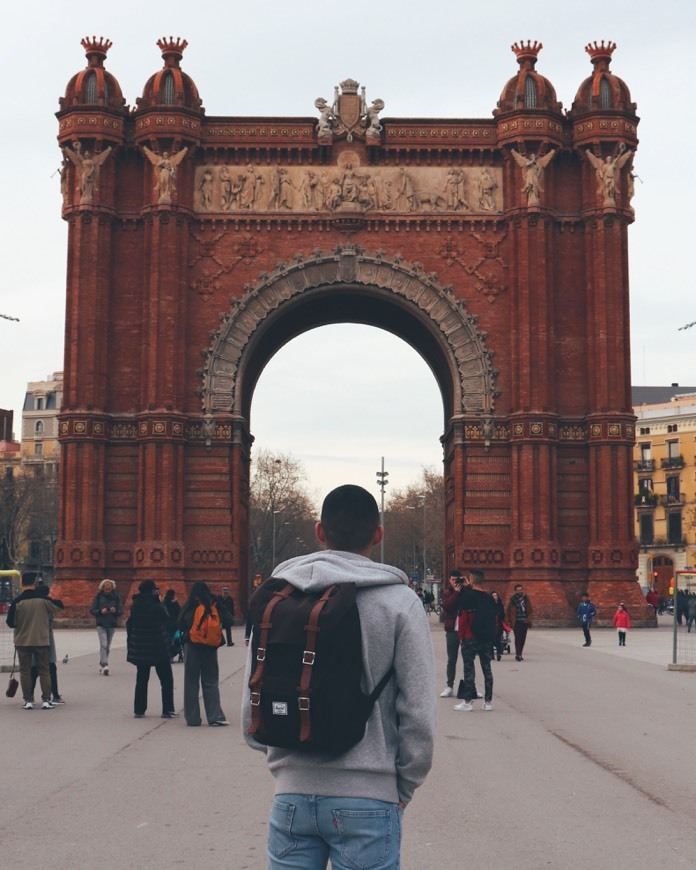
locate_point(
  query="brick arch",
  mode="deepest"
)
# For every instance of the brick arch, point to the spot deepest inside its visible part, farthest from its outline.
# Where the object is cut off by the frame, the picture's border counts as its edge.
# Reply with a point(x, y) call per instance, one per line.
point(348, 285)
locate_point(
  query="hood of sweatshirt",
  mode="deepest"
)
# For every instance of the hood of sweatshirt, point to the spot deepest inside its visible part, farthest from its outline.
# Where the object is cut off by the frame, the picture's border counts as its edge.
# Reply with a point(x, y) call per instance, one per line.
point(316, 571)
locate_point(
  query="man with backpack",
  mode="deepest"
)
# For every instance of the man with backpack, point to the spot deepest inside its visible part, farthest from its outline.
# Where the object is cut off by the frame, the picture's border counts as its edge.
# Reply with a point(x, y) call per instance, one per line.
point(340, 795)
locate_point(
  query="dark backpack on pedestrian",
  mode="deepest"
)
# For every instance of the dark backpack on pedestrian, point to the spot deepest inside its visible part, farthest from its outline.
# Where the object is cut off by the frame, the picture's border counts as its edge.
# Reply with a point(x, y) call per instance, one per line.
point(306, 669)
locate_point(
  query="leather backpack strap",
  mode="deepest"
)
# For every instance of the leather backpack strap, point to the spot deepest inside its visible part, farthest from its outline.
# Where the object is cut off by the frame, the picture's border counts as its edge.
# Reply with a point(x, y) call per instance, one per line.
point(308, 659)
point(256, 681)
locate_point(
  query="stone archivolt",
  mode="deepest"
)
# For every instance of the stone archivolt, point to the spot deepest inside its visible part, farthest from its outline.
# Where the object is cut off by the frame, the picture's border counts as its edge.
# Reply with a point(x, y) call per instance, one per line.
point(347, 187)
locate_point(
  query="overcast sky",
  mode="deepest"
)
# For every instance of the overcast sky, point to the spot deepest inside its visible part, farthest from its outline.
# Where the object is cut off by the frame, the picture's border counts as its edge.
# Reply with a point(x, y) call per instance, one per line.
point(441, 58)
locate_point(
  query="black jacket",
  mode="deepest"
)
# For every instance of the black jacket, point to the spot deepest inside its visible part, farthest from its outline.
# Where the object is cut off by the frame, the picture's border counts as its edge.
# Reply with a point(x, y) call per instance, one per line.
point(149, 641)
point(101, 600)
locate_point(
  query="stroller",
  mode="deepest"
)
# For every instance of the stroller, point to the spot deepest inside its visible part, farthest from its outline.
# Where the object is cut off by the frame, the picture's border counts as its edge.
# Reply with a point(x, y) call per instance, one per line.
point(177, 647)
point(502, 645)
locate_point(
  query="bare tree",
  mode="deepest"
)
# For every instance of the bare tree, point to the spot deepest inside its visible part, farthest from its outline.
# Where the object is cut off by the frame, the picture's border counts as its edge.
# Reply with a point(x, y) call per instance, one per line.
point(414, 522)
point(28, 515)
point(281, 512)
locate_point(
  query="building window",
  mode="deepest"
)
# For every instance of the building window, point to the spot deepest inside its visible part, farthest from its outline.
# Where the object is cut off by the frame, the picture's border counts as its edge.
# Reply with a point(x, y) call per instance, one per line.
point(604, 94)
point(91, 88)
point(38, 428)
point(645, 430)
point(39, 403)
point(645, 483)
point(673, 449)
point(38, 449)
point(672, 427)
point(647, 532)
point(645, 452)
point(674, 528)
point(168, 90)
point(672, 489)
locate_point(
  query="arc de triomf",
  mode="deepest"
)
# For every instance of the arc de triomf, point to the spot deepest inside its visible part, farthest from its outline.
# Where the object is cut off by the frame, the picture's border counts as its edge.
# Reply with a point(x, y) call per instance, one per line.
point(496, 247)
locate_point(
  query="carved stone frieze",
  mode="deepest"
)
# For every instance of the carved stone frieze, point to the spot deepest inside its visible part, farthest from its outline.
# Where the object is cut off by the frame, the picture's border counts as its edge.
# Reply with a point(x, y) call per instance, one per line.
point(470, 360)
point(347, 188)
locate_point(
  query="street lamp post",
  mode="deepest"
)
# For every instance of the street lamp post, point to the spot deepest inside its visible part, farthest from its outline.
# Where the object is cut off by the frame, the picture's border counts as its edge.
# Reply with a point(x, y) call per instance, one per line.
point(425, 554)
point(274, 541)
point(382, 482)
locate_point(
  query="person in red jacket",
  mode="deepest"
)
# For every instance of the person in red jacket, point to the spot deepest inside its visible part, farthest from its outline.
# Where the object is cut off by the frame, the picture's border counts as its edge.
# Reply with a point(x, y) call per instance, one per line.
point(450, 605)
point(622, 623)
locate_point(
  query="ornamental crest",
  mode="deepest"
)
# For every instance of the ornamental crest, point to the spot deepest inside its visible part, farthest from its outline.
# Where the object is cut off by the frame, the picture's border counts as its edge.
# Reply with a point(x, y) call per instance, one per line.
point(349, 113)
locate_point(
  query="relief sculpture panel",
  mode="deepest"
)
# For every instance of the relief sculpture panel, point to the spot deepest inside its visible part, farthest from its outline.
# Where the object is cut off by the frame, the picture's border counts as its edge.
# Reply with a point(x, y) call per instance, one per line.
point(347, 187)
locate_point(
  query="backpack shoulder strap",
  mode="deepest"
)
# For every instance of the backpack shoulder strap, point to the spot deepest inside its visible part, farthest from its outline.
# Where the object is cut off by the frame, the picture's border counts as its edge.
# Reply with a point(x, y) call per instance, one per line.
point(308, 656)
point(256, 681)
point(379, 688)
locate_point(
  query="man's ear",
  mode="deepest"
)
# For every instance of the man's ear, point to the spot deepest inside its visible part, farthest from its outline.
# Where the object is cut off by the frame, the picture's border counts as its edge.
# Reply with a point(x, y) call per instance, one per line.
point(378, 535)
point(319, 533)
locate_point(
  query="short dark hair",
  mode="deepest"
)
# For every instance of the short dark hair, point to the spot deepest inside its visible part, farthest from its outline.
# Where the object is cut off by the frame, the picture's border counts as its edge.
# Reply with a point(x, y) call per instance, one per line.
point(350, 518)
point(585, 595)
point(455, 572)
point(518, 585)
point(147, 586)
point(29, 578)
point(476, 575)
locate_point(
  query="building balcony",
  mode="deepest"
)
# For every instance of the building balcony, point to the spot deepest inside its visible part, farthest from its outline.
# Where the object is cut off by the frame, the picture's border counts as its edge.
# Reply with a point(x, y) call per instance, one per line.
point(645, 499)
point(662, 544)
point(645, 465)
point(673, 462)
point(671, 499)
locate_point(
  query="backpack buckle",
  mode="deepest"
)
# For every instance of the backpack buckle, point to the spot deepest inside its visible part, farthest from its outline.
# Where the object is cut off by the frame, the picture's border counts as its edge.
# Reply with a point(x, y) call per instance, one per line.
point(261, 654)
point(255, 699)
point(308, 657)
point(303, 704)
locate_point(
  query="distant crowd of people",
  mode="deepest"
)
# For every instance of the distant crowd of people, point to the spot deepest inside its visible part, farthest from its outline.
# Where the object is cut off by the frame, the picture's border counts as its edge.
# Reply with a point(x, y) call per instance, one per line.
point(158, 632)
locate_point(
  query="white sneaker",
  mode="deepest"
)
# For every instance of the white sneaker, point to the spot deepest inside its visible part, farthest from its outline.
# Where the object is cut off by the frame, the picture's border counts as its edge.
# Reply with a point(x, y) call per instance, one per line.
point(488, 706)
point(28, 705)
point(47, 705)
point(464, 706)
point(105, 671)
point(479, 695)
point(446, 692)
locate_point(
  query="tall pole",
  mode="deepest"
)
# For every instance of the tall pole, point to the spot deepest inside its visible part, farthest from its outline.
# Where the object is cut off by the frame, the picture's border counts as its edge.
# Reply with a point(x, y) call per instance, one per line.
point(274, 541)
point(425, 555)
point(381, 483)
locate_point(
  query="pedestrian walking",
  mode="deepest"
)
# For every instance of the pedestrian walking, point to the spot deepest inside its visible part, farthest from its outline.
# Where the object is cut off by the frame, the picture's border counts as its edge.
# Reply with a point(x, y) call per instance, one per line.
point(450, 606)
point(149, 646)
point(622, 623)
point(29, 615)
point(477, 622)
point(499, 609)
point(691, 613)
point(519, 614)
point(43, 592)
point(107, 609)
point(348, 808)
point(202, 619)
point(228, 602)
point(586, 613)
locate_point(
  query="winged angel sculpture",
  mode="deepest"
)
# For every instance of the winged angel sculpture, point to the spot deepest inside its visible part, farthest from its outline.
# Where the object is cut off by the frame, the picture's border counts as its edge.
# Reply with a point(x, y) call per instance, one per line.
point(607, 172)
point(533, 171)
point(87, 166)
point(165, 172)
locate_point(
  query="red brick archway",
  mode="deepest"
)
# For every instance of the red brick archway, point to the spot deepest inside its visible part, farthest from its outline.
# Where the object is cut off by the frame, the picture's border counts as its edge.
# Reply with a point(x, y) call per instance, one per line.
point(198, 246)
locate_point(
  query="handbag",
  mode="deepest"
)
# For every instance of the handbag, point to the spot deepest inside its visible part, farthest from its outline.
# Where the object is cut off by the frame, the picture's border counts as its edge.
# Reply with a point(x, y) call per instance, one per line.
point(13, 685)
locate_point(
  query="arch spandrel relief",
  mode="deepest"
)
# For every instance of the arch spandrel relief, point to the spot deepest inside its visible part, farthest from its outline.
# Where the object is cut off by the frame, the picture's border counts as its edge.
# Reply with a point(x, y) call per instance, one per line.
point(473, 376)
point(347, 187)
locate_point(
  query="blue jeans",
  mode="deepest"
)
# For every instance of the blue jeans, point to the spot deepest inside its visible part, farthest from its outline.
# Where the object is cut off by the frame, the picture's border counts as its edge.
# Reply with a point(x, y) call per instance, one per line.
point(105, 637)
point(305, 831)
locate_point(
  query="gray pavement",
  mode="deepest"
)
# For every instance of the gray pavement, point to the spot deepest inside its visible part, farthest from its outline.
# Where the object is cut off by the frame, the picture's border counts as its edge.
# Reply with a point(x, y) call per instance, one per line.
point(585, 762)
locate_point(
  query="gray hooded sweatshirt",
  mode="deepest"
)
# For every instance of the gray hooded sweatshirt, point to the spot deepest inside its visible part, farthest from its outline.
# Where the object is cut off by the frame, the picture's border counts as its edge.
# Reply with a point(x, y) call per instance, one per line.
point(396, 753)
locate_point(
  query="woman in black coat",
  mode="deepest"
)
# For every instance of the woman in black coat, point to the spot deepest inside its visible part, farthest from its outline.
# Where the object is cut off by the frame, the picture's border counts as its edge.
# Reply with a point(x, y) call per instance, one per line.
point(149, 645)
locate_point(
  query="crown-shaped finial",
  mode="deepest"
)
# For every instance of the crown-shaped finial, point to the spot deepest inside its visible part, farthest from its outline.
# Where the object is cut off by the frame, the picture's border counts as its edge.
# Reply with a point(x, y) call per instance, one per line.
point(527, 51)
point(96, 47)
point(600, 51)
point(171, 47)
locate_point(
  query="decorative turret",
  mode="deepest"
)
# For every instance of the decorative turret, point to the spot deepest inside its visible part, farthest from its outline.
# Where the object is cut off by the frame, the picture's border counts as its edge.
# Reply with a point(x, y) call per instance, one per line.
point(527, 90)
point(171, 86)
point(94, 86)
point(602, 91)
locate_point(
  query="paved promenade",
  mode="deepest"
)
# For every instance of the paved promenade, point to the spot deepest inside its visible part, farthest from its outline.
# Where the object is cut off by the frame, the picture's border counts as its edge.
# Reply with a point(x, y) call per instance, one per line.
point(587, 761)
